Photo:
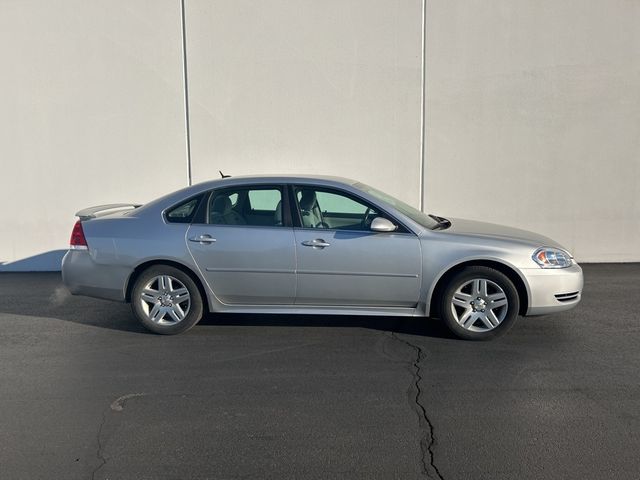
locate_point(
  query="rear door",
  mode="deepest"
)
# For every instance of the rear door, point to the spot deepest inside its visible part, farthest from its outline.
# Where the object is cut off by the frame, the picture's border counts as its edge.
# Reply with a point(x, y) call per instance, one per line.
point(342, 262)
point(245, 249)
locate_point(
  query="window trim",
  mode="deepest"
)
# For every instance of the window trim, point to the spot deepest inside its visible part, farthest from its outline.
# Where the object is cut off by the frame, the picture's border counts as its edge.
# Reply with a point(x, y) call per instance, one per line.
point(402, 228)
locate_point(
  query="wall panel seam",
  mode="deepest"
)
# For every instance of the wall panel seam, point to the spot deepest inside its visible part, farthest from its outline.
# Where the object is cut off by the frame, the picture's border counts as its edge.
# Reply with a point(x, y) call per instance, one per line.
point(422, 102)
point(185, 89)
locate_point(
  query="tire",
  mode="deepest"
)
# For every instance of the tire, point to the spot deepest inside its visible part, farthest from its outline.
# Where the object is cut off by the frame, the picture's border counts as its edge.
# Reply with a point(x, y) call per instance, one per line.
point(166, 300)
point(479, 303)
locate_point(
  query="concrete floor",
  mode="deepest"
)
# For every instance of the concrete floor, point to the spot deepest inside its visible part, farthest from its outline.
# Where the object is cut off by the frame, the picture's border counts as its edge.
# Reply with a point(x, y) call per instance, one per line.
point(86, 393)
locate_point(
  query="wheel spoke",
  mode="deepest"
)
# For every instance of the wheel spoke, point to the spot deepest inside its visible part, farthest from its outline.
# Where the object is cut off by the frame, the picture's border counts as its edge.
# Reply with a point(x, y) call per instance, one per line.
point(479, 287)
point(463, 296)
point(498, 302)
point(178, 312)
point(486, 321)
point(181, 293)
point(464, 317)
point(471, 320)
point(149, 296)
point(156, 313)
point(468, 318)
point(174, 316)
point(461, 299)
point(483, 288)
point(493, 319)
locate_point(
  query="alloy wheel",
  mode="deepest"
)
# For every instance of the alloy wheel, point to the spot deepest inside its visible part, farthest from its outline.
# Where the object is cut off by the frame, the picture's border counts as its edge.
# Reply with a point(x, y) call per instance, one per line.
point(479, 305)
point(165, 300)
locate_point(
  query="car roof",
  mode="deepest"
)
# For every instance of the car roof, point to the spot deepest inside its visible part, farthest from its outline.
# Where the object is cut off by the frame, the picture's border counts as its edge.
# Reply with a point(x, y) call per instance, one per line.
point(247, 179)
point(158, 205)
point(196, 189)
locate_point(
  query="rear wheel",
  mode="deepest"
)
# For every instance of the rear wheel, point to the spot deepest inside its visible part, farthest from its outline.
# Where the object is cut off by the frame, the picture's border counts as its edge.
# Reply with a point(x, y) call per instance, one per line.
point(479, 303)
point(166, 300)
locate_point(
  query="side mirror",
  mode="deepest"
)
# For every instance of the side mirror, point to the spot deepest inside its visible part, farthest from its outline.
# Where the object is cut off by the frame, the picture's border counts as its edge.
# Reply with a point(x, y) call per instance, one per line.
point(380, 224)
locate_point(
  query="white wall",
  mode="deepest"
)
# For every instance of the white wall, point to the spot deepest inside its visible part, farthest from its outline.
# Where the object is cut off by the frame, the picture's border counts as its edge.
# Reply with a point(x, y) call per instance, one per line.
point(91, 113)
point(533, 108)
point(330, 87)
point(533, 119)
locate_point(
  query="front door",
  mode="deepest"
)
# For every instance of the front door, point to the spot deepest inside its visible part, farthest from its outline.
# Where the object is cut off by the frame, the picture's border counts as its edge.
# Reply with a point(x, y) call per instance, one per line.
point(342, 262)
point(245, 250)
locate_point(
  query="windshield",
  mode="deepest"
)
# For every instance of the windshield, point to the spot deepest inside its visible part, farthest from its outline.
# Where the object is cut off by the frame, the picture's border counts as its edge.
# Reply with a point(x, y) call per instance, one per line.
point(413, 213)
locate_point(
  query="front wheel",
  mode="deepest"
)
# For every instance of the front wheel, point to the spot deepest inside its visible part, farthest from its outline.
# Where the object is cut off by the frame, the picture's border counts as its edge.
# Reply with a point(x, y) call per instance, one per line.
point(166, 300)
point(479, 303)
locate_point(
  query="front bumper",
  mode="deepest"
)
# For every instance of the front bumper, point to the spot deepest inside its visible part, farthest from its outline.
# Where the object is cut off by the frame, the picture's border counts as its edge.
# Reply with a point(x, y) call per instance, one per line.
point(553, 290)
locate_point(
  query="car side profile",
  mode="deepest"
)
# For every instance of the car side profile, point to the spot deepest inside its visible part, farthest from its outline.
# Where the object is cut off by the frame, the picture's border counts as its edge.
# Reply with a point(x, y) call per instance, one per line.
point(318, 245)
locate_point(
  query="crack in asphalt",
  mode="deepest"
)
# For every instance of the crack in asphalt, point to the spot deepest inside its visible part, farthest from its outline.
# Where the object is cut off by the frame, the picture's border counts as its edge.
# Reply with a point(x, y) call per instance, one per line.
point(117, 406)
point(99, 455)
point(429, 468)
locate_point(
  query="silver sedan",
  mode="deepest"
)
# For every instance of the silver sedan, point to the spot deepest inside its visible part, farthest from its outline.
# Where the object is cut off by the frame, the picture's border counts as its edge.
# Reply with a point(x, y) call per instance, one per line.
point(318, 245)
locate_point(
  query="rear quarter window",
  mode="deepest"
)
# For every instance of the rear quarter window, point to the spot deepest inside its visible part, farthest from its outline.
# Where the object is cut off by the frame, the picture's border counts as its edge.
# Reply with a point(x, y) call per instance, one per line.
point(183, 212)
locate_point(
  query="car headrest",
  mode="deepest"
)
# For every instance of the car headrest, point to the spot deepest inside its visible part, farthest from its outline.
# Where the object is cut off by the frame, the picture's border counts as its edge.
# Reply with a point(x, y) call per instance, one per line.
point(308, 199)
point(221, 205)
point(277, 216)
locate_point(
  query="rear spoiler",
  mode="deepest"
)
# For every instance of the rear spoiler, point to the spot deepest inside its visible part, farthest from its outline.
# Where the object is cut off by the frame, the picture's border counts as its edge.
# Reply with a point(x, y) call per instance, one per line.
point(100, 210)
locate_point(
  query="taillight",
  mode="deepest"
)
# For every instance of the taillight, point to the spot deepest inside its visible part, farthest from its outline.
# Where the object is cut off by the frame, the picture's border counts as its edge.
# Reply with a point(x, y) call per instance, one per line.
point(78, 242)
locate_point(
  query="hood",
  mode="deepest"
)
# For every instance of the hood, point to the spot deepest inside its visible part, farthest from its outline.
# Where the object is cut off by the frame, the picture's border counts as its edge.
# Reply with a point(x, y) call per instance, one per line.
point(474, 228)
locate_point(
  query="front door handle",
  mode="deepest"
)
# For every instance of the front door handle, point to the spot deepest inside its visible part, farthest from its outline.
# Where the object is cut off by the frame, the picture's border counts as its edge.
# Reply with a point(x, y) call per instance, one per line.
point(203, 239)
point(318, 242)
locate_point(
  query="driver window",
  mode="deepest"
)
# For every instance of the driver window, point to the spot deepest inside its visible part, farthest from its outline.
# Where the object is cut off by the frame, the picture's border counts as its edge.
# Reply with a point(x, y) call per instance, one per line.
point(327, 209)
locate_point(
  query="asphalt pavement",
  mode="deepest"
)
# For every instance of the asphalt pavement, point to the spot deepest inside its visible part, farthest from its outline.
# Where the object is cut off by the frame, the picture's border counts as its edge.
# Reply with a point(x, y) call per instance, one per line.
point(87, 393)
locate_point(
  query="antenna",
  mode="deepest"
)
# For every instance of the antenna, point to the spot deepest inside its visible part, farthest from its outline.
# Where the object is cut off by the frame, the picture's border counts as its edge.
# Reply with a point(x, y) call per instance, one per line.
point(222, 175)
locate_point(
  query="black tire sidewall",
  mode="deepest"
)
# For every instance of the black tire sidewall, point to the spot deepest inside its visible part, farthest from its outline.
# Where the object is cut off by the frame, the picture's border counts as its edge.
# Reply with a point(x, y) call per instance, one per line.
point(469, 273)
point(196, 309)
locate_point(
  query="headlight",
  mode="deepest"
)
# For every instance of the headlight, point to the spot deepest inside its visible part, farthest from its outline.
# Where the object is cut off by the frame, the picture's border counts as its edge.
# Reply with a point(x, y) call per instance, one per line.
point(548, 257)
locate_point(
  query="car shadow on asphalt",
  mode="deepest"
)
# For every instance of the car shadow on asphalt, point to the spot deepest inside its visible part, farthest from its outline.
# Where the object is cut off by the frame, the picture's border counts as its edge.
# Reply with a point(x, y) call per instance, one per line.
point(43, 295)
point(118, 317)
point(427, 327)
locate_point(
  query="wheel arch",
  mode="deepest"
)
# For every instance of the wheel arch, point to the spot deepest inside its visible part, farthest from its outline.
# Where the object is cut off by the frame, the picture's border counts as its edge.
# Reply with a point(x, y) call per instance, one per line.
point(137, 271)
point(511, 273)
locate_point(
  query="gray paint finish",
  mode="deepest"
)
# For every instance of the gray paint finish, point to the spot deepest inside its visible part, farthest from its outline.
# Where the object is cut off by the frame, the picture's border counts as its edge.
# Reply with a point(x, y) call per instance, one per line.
point(270, 269)
point(247, 265)
point(359, 268)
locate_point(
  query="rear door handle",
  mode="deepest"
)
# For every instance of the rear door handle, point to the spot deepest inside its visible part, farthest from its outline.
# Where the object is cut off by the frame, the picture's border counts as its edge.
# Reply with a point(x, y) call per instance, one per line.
point(203, 239)
point(318, 242)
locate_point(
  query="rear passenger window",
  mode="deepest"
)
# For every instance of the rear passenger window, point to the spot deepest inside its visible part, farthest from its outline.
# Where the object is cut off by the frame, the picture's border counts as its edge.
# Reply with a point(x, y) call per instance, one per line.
point(260, 206)
point(184, 212)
